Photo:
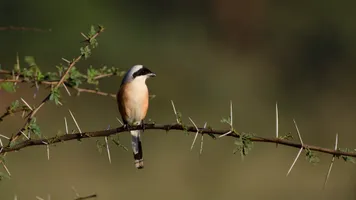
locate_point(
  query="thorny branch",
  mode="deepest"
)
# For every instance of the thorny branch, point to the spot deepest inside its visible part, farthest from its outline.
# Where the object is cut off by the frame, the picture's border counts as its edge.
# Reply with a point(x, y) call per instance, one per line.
point(168, 127)
point(57, 85)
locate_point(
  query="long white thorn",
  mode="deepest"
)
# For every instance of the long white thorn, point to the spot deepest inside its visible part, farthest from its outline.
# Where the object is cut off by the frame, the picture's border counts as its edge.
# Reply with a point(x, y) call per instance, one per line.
point(196, 134)
point(2, 146)
point(24, 135)
point(231, 123)
point(75, 121)
point(7, 170)
point(231, 120)
point(295, 160)
point(107, 148)
point(202, 140)
point(300, 150)
point(119, 121)
point(300, 137)
point(175, 111)
point(26, 104)
point(332, 161)
point(225, 134)
point(1, 135)
point(277, 123)
point(75, 191)
point(65, 87)
point(66, 125)
point(47, 148)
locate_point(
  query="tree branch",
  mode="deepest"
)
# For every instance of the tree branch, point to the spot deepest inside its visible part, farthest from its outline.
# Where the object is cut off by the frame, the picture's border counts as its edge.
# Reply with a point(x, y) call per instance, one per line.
point(168, 127)
point(57, 85)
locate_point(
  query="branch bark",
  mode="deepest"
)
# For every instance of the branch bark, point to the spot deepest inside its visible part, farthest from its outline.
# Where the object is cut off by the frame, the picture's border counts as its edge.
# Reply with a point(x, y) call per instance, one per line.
point(168, 127)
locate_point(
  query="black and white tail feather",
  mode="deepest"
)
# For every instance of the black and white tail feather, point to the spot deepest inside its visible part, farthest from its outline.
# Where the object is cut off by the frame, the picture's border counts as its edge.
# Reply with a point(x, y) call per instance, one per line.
point(137, 148)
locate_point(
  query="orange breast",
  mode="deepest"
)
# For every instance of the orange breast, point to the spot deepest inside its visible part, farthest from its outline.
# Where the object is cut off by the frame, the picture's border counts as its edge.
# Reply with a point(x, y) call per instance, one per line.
point(133, 102)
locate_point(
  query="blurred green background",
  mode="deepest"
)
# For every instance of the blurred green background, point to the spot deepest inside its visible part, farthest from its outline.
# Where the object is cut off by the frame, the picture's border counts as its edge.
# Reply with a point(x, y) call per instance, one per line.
point(205, 53)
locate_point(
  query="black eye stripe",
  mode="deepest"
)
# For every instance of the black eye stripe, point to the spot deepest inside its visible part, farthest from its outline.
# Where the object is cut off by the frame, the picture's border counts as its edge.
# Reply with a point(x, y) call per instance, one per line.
point(141, 72)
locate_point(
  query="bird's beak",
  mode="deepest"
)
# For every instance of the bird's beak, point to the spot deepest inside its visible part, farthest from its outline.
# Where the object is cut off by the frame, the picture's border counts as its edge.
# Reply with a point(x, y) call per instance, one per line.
point(152, 74)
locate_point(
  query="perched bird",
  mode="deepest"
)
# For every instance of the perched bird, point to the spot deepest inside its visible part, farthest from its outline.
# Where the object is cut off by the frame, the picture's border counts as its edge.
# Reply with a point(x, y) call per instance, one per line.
point(132, 100)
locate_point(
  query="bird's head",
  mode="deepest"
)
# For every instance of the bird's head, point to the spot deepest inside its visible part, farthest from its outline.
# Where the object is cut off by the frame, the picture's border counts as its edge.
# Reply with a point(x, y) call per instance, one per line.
point(137, 72)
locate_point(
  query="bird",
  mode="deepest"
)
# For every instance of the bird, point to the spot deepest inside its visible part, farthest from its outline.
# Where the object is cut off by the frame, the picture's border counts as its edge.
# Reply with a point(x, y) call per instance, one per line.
point(132, 99)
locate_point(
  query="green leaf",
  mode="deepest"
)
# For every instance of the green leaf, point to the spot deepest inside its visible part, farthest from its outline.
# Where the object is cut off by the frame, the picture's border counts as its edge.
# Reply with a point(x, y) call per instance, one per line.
point(13, 106)
point(347, 158)
point(91, 74)
point(100, 146)
point(3, 176)
point(288, 136)
point(55, 96)
point(33, 127)
point(75, 77)
point(243, 144)
point(51, 76)
point(8, 86)
point(85, 51)
point(30, 60)
point(312, 157)
point(226, 120)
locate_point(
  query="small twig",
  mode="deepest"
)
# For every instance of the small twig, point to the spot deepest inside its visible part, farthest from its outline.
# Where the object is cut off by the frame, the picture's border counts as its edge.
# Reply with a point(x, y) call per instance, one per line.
point(94, 92)
point(87, 197)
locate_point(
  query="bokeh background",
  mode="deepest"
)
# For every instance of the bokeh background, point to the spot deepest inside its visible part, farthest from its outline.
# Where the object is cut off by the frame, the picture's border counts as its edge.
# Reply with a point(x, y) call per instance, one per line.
point(205, 53)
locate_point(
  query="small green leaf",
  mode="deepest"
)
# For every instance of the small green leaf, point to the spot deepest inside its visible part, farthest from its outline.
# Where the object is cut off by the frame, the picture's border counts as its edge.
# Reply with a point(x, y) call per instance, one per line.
point(288, 136)
point(347, 158)
point(30, 60)
point(312, 157)
point(55, 96)
point(8, 86)
point(91, 74)
point(243, 144)
point(13, 106)
point(85, 51)
point(179, 117)
point(34, 128)
point(3, 176)
point(100, 146)
point(225, 121)
point(75, 77)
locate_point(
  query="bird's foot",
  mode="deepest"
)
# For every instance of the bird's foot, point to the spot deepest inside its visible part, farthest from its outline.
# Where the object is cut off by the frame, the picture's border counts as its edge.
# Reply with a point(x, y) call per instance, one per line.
point(127, 127)
point(143, 126)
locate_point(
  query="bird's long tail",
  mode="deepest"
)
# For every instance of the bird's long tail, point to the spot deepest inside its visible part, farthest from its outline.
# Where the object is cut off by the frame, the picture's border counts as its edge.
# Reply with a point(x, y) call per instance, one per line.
point(137, 148)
